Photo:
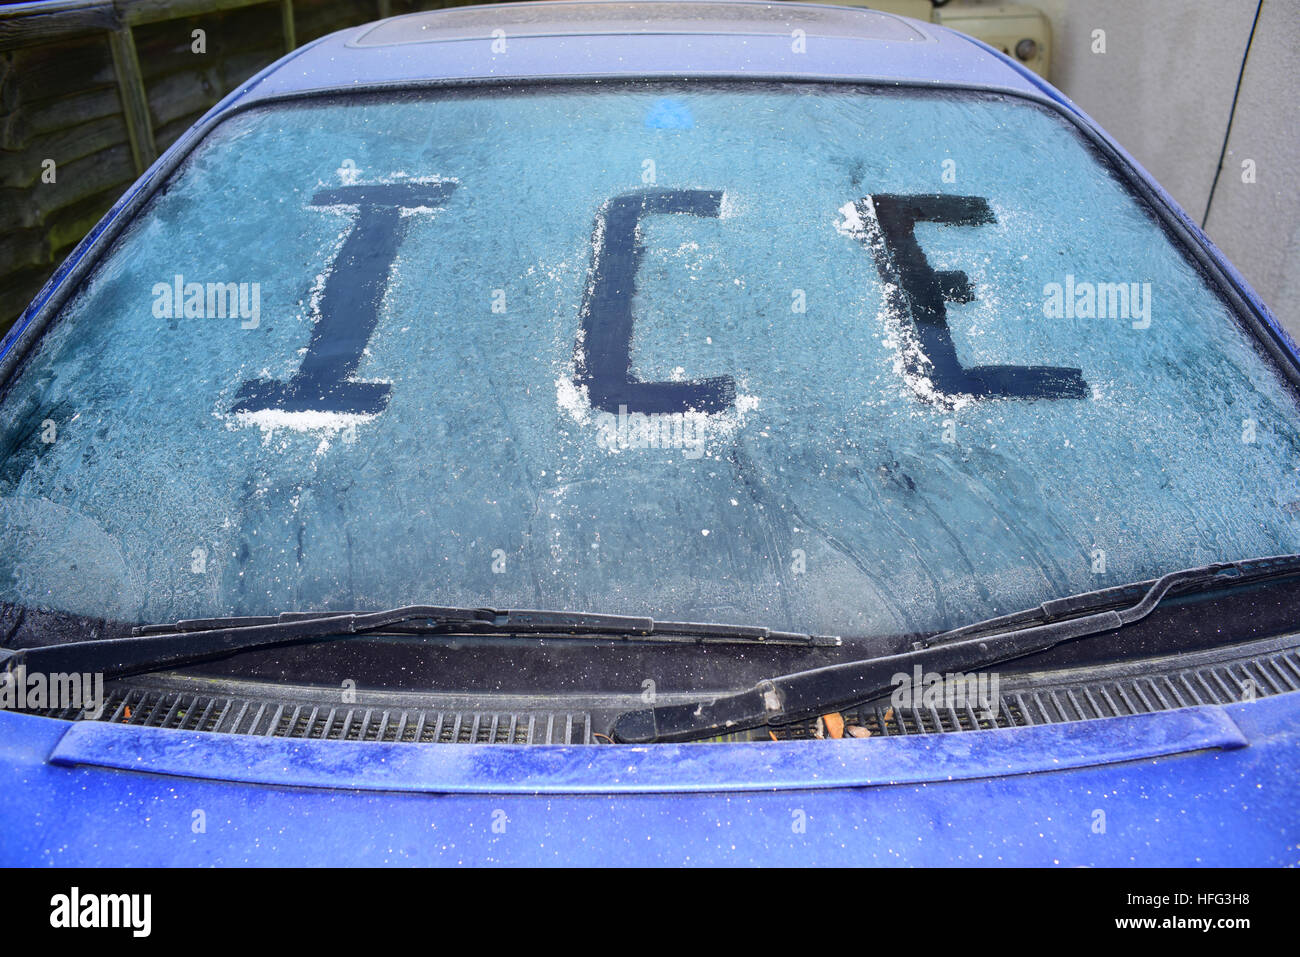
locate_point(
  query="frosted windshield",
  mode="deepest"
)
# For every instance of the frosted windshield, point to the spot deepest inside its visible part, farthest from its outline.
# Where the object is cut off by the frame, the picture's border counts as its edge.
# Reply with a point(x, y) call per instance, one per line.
point(822, 358)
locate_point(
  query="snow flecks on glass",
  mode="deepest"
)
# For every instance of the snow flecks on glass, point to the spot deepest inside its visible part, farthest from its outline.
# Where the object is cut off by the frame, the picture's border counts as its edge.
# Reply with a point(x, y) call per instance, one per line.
point(911, 510)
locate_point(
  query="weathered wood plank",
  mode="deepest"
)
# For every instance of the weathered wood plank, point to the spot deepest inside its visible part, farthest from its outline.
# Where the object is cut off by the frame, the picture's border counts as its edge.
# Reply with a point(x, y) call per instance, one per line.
point(135, 102)
point(60, 69)
point(19, 288)
point(32, 206)
point(25, 24)
point(101, 85)
point(178, 95)
point(286, 26)
point(22, 124)
point(62, 145)
point(151, 11)
point(166, 48)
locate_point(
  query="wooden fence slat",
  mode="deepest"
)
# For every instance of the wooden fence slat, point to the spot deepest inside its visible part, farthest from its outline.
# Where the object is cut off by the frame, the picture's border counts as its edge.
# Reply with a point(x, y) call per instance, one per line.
point(286, 19)
point(135, 103)
point(26, 24)
point(23, 24)
point(72, 69)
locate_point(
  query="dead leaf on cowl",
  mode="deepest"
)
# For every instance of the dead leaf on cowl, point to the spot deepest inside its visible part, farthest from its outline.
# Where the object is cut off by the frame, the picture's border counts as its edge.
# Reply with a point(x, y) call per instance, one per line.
point(857, 731)
point(834, 724)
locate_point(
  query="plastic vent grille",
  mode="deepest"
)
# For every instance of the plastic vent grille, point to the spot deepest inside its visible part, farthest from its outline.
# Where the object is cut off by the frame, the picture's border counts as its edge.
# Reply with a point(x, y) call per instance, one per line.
point(197, 712)
point(1047, 702)
point(1050, 703)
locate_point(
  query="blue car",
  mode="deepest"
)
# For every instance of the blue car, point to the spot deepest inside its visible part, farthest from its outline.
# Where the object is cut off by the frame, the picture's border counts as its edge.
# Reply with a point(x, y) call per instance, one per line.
point(649, 433)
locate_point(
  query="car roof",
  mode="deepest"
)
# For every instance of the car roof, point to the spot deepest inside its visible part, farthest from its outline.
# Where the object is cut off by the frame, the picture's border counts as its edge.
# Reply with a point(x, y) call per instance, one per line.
point(642, 38)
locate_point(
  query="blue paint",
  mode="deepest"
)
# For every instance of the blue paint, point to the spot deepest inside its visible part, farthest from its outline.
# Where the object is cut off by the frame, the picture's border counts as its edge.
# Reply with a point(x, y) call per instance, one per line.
point(553, 769)
point(1220, 805)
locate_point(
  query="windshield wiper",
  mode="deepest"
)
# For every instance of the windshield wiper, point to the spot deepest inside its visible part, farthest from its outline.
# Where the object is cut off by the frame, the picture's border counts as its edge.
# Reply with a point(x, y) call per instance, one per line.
point(807, 694)
point(154, 647)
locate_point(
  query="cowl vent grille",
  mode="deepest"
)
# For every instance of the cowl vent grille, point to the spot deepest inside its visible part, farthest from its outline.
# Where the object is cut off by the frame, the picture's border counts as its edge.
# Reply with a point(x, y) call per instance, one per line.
point(1221, 677)
point(1049, 701)
point(199, 712)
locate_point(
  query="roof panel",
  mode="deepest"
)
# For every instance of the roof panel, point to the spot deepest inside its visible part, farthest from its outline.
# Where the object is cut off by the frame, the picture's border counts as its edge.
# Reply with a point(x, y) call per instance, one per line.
point(560, 40)
point(592, 17)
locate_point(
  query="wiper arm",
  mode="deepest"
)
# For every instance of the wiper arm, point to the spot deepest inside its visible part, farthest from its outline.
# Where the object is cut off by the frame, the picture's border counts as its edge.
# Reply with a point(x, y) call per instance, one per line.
point(154, 647)
point(807, 694)
point(1199, 578)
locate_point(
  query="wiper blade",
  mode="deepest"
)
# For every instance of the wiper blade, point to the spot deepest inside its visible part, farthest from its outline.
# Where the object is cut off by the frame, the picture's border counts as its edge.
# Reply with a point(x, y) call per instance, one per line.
point(807, 694)
point(154, 647)
point(1200, 578)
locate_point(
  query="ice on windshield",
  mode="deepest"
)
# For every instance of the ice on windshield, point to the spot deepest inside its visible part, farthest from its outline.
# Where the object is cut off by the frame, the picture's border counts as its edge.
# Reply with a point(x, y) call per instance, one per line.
point(825, 359)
